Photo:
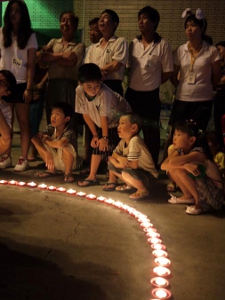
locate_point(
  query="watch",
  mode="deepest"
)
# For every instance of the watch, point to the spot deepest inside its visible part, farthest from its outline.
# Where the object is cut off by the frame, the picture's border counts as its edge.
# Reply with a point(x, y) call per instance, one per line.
point(105, 137)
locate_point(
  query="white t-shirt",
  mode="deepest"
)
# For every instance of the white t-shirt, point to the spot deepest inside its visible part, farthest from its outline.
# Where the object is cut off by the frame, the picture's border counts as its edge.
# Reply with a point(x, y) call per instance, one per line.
point(15, 59)
point(106, 103)
point(202, 90)
point(116, 49)
point(147, 65)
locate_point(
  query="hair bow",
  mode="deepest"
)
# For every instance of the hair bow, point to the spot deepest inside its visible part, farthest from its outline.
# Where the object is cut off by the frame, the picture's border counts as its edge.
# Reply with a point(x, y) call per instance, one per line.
point(198, 14)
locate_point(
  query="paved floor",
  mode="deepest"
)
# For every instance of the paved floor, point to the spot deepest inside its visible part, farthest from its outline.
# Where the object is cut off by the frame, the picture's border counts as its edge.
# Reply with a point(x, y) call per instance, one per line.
point(55, 246)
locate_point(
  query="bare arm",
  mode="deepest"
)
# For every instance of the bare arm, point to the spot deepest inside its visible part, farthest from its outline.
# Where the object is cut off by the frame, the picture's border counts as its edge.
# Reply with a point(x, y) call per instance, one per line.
point(31, 56)
point(61, 143)
point(111, 67)
point(68, 58)
point(174, 79)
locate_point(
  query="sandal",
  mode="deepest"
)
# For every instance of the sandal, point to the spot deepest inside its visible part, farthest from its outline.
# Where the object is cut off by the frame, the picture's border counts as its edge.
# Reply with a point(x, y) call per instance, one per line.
point(68, 178)
point(179, 200)
point(124, 188)
point(46, 174)
point(87, 182)
point(138, 195)
point(171, 187)
point(110, 186)
point(193, 210)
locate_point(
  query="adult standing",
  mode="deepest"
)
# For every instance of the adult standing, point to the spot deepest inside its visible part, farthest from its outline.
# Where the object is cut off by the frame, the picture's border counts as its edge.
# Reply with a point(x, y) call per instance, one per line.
point(151, 64)
point(18, 46)
point(110, 53)
point(64, 56)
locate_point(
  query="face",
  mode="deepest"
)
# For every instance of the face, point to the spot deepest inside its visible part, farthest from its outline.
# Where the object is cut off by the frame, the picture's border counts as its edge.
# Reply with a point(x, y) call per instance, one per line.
point(92, 88)
point(182, 140)
point(58, 118)
point(193, 31)
point(145, 25)
point(125, 128)
point(105, 23)
point(95, 33)
point(15, 14)
point(221, 50)
point(3, 86)
point(67, 24)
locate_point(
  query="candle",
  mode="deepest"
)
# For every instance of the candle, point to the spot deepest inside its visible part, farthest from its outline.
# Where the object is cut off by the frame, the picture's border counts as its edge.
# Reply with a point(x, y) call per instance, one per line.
point(109, 201)
point(81, 194)
point(158, 246)
point(159, 282)
point(21, 183)
point(32, 184)
point(154, 241)
point(61, 189)
point(12, 182)
point(125, 207)
point(3, 181)
point(51, 188)
point(162, 261)
point(159, 253)
point(71, 192)
point(101, 199)
point(161, 293)
point(142, 220)
point(149, 230)
point(118, 204)
point(146, 225)
point(161, 271)
point(42, 186)
point(91, 197)
point(153, 234)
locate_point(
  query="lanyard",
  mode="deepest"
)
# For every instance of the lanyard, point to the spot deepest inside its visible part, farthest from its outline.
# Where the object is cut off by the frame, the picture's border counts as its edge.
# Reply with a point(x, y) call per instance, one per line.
point(193, 56)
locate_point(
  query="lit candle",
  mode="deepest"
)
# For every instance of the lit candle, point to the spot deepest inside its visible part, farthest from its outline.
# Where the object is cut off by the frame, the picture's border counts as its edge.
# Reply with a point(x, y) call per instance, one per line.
point(130, 210)
point(161, 293)
point(133, 212)
point(12, 182)
point(42, 186)
point(154, 241)
point(51, 188)
point(162, 261)
point(149, 230)
point(142, 220)
point(109, 201)
point(146, 225)
point(71, 192)
point(91, 197)
point(159, 253)
point(161, 271)
point(101, 199)
point(21, 183)
point(125, 207)
point(153, 234)
point(32, 184)
point(158, 246)
point(81, 194)
point(159, 282)
point(118, 204)
point(3, 181)
point(61, 189)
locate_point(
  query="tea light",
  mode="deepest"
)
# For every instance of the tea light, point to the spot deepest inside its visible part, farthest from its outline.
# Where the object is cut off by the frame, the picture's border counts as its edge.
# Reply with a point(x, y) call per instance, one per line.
point(3, 181)
point(118, 204)
point(158, 246)
point(109, 201)
point(71, 192)
point(42, 186)
point(162, 261)
point(154, 241)
point(149, 230)
point(143, 220)
point(101, 199)
point(146, 225)
point(91, 197)
point(161, 293)
point(61, 189)
point(21, 183)
point(153, 234)
point(133, 212)
point(141, 216)
point(81, 194)
point(12, 182)
point(125, 207)
point(159, 253)
point(130, 210)
point(32, 184)
point(51, 188)
point(159, 282)
point(161, 271)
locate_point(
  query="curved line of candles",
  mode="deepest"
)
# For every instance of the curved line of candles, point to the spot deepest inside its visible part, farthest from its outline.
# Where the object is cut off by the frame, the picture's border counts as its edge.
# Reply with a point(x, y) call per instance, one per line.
point(159, 282)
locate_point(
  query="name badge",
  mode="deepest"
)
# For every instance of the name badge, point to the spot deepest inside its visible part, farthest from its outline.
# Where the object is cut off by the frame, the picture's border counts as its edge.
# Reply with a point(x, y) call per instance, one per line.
point(16, 62)
point(191, 77)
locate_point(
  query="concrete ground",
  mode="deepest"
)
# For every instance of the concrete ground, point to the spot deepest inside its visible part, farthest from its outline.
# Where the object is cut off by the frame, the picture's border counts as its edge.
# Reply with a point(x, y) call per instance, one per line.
point(55, 246)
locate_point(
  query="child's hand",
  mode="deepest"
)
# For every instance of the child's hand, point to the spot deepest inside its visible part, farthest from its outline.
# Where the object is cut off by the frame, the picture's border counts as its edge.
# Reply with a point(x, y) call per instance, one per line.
point(123, 161)
point(45, 138)
point(103, 144)
point(94, 142)
point(193, 169)
point(49, 162)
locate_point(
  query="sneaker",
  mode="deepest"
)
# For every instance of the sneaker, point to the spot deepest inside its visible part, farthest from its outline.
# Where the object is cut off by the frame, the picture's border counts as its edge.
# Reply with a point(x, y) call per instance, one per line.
point(22, 165)
point(5, 162)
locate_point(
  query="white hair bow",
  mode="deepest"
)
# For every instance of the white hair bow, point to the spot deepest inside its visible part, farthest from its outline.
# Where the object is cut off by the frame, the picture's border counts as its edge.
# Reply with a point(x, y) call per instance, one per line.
point(198, 14)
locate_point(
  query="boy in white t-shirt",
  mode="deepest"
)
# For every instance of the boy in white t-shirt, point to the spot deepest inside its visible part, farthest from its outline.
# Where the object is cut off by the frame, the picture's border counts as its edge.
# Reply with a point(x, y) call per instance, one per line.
point(7, 84)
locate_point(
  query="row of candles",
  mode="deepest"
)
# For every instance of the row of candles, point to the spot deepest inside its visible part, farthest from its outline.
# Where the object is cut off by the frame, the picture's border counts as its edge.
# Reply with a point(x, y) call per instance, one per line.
point(159, 282)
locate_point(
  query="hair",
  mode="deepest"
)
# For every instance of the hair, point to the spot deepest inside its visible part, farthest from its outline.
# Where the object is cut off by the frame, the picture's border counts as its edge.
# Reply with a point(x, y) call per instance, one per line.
point(202, 24)
point(214, 137)
point(65, 107)
point(10, 79)
point(221, 43)
point(113, 15)
point(25, 29)
point(134, 119)
point(192, 129)
point(74, 18)
point(89, 72)
point(93, 21)
point(152, 14)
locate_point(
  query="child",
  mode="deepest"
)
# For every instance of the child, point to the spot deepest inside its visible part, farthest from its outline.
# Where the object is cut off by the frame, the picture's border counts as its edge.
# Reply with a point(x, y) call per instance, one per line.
point(7, 84)
point(101, 109)
point(56, 143)
point(131, 160)
point(192, 167)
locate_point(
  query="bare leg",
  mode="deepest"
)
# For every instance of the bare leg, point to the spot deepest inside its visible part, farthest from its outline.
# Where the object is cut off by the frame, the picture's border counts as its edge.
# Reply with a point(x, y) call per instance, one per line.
point(95, 162)
point(133, 182)
point(68, 160)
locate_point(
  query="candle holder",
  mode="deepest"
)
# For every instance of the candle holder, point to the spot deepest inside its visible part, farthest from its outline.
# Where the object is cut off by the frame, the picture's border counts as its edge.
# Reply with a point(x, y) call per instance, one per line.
point(71, 192)
point(81, 194)
point(154, 241)
point(12, 182)
point(61, 189)
point(42, 186)
point(163, 261)
point(159, 253)
point(109, 201)
point(158, 247)
point(3, 181)
point(21, 183)
point(101, 199)
point(51, 188)
point(91, 197)
point(161, 293)
point(161, 271)
point(31, 184)
point(159, 282)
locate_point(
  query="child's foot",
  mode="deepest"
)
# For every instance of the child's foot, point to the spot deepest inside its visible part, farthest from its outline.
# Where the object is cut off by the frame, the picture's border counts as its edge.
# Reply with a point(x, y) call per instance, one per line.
point(181, 200)
point(68, 178)
point(139, 195)
point(46, 174)
point(124, 188)
point(87, 182)
point(110, 186)
point(5, 162)
point(22, 165)
point(193, 210)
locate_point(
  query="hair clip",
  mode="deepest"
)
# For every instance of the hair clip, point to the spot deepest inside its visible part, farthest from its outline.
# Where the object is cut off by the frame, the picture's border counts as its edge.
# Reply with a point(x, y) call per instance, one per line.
point(191, 121)
point(198, 14)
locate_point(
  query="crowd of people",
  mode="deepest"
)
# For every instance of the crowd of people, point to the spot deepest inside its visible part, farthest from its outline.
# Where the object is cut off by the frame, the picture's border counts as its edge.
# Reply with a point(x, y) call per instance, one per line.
point(84, 86)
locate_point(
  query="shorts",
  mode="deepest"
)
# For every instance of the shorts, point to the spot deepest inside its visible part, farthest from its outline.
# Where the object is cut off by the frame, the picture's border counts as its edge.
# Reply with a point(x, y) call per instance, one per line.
point(57, 157)
point(17, 95)
point(139, 174)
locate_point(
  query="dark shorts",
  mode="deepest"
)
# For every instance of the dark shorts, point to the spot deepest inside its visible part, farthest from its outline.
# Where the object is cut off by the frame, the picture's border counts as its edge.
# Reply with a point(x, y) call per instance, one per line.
point(200, 112)
point(139, 174)
point(17, 95)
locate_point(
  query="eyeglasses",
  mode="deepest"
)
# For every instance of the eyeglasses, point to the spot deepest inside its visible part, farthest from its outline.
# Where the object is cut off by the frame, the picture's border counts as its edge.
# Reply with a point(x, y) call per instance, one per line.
point(3, 83)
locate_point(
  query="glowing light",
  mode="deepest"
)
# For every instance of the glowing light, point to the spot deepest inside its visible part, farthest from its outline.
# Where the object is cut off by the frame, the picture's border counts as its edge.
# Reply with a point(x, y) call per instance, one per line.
point(158, 246)
point(61, 189)
point(162, 261)
point(161, 293)
point(3, 181)
point(71, 192)
point(154, 241)
point(159, 282)
point(81, 194)
point(32, 184)
point(109, 201)
point(42, 186)
point(159, 253)
point(21, 183)
point(12, 182)
point(91, 197)
point(51, 188)
point(101, 199)
point(161, 271)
